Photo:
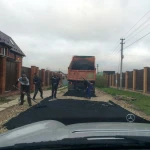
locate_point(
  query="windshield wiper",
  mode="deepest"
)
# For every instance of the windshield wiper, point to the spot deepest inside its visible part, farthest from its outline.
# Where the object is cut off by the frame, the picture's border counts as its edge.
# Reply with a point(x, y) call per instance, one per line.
point(140, 139)
point(89, 142)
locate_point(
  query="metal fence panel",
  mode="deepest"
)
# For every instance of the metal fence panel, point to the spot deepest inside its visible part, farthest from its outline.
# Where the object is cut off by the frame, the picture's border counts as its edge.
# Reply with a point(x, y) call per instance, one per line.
point(123, 79)
point(114, 80)
point(40, 74)
point(46, 78)
point(139, 80)
point(148, 79)
point(118, 80)
point(130, 79)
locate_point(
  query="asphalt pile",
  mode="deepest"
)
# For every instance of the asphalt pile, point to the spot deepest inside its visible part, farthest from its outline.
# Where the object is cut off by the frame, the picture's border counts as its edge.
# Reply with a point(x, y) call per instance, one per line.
point(82, 65)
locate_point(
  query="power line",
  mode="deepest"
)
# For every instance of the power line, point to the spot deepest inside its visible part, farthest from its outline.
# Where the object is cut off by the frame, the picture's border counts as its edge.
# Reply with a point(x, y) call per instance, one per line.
point(105, 64)
point(129, 31)
point(111, 54)
point(137, 28)
point(114, 51)
point(138, 32)
point(137, 40)
point(110, 58)
point(136, 24)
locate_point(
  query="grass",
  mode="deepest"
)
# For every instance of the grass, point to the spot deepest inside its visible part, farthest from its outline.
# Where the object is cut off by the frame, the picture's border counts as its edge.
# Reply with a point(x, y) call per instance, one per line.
point(142, 102)
point(4, 100)
point(49, 88)
point(101, 82)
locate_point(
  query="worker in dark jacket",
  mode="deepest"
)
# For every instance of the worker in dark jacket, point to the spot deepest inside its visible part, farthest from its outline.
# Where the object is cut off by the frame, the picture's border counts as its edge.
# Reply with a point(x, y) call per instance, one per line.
point(85, 88)
point(25, 89)
point(38, 86)
point(55, 82)
point(89, 88)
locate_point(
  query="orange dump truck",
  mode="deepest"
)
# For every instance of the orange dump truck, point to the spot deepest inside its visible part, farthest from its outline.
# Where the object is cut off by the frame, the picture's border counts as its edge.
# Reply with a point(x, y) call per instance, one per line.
point(79, 68)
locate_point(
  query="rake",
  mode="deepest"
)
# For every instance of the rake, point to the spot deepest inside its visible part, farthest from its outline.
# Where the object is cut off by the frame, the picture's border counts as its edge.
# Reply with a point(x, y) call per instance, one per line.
point(39, 105)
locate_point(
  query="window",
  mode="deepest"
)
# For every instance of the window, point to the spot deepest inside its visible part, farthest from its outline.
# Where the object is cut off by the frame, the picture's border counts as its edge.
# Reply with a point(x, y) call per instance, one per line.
point(11, 42)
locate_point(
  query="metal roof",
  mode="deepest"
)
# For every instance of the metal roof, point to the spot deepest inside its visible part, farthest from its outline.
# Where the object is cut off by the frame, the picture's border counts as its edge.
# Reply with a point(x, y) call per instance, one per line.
point(8, 41)
point(83, 56)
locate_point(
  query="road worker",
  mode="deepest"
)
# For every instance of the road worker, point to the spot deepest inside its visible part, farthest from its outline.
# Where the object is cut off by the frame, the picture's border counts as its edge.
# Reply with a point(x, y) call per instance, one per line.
point(55, 82)
point(25, 89)
point(88, 90)
point(38, 86)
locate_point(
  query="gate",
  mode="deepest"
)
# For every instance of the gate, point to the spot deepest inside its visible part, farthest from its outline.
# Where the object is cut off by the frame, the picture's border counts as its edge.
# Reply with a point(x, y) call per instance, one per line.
point(10, 75)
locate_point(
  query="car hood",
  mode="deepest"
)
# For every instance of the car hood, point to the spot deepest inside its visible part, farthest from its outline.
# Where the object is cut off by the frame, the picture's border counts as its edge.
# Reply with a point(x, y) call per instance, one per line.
point(51, 130)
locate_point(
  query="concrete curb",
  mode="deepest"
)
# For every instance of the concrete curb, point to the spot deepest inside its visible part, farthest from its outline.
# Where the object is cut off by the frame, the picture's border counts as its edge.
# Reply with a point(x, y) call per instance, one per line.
point(46, 93)
point(4, 106)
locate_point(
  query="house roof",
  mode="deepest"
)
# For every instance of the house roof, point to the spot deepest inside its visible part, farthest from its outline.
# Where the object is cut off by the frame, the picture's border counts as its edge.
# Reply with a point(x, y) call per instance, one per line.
point(60, 72)
point(8, 41)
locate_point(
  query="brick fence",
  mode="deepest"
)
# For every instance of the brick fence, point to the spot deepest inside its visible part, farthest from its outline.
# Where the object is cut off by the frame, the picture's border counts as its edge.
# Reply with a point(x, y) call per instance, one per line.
point(136, 80)
point(45, 75)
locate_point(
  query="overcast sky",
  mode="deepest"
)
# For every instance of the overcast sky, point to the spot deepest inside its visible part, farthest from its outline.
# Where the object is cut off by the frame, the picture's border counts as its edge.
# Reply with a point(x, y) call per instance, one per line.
point(50, 32)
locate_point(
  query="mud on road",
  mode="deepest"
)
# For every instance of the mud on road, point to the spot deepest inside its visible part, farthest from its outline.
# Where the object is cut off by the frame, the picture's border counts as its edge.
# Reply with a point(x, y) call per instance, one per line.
point(13, 111)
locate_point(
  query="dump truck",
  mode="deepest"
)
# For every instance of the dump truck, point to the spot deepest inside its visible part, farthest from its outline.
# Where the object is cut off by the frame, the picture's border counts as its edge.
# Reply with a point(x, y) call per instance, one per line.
point(80, 69)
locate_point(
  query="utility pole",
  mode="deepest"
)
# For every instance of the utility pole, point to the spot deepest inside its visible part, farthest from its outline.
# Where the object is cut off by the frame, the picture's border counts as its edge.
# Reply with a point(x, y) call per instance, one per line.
point(97, 68)
point(121, 62)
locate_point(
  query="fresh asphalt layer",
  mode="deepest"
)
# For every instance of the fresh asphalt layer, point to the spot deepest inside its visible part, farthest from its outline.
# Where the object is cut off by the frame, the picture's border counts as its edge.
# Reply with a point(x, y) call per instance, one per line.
point(69, 111)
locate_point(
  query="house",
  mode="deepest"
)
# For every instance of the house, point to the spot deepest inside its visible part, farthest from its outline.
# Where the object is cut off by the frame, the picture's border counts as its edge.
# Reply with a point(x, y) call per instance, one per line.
point(108, 72)
point(10, 62)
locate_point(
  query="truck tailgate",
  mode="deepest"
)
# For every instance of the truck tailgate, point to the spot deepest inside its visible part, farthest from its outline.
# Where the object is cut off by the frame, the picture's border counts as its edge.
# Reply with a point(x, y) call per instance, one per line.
point(78, 74)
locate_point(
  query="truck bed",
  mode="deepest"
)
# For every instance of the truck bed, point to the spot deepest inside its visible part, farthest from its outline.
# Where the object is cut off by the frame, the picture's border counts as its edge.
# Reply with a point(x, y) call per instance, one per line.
point(78, 75)
point(79, 68)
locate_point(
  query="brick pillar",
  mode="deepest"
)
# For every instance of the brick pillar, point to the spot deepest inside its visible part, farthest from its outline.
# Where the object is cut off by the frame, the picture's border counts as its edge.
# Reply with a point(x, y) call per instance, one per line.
point(145, 79)
point(43, 76)
point(126, 79)
point(2, 74)
point(134, 80)
point(33, 70)
point(19, 68)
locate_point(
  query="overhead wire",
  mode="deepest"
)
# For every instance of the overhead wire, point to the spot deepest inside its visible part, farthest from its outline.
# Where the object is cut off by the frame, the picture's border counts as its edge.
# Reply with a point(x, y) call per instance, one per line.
point(138, 32)
point(130, 30)
point(136, 23)
point(137, 40)
point(138, 28)
point(112, 54)
point(111, 58)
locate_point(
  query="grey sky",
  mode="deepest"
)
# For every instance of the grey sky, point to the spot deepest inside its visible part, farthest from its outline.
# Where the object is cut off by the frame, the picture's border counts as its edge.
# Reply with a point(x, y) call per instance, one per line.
point(50, 32)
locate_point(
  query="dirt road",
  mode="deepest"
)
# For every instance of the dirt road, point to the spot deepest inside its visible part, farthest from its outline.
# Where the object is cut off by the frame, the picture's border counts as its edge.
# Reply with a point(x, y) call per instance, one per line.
point(67, 103)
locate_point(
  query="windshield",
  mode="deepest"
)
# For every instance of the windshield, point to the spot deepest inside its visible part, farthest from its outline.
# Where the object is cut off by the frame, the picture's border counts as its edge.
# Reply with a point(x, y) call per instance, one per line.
point(74, 62)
